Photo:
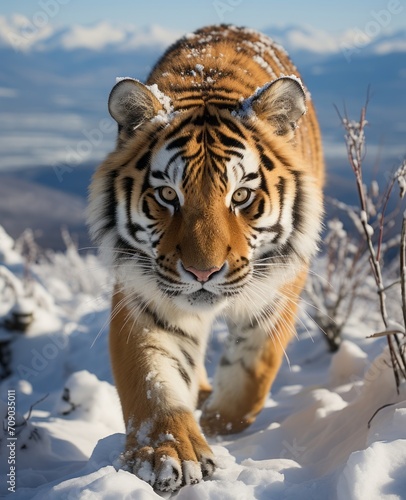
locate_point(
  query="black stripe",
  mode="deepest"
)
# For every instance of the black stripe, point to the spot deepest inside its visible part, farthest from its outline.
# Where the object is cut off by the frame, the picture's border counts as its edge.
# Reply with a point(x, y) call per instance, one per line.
point(178, 143)
point(165, 277)
point(128, 183)
point(153, 143)
point(219, 158)
point(264, 185)
point(184, 374)
point(281, 255)
point(145, 208)
point(145, 185)
point(233, 127)
point(260, 209)
point(158, 175)
point(267, 162)
point(288, 249)
point(188, 358)
point(251, 176)
point(144, 161)
point(210, 139)
point(110, 206)
point(212, 120)
point(192, 95)
point(281, 188)
point(258, 144)
point(158, 349)
point(171, 293)
point(223, 105)
point(164, 325)
point(233, 152)
point(278, 229)
point(219, 90)
point(237, 280)
point(163, 352)
point(228, 141)
point(297, 211)
point(222, 174)
point(132, 228)
point(178, 128)
point(198, 121)
point(193, 155)
point(275, 228)
point(126, 248)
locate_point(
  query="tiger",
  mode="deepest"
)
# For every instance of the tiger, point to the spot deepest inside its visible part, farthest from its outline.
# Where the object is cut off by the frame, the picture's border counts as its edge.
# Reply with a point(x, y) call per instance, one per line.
point(209, 206)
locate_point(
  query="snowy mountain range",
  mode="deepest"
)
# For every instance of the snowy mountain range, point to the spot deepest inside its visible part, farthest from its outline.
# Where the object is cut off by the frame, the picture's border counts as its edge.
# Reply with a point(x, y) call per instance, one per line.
point(55, 81)
point(22, 34)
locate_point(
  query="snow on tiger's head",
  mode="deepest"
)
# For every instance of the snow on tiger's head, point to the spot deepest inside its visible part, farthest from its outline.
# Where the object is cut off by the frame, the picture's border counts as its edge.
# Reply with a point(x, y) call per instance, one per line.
point(197, 205)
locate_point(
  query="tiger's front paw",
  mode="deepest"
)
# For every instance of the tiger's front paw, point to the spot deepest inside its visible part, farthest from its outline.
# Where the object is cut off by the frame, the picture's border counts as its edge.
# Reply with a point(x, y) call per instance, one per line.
point(169, 452)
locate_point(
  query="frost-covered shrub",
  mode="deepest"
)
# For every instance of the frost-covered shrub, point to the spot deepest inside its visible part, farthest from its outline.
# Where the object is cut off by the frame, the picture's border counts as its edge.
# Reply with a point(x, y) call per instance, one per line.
point(339, 283)
point(355, 266)
point(42, 293)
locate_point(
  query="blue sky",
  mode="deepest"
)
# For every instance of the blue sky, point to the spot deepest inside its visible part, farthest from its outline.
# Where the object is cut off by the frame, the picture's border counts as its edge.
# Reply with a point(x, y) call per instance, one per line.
point(186, 15)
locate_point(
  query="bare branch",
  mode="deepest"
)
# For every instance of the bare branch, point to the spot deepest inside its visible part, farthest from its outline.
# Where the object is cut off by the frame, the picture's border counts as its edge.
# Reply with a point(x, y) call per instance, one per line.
point(355, 141)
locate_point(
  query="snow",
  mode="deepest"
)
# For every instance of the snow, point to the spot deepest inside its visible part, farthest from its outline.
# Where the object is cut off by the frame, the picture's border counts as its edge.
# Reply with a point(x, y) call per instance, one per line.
point(363, 217)
point(162, 98)
point(400, 177)
point(199, 68)
point(350, 361)
point(332, 427)
point(143, 433)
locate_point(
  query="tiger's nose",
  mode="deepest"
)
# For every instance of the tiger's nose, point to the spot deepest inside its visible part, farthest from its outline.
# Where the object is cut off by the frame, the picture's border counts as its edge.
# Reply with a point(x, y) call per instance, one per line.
point(203, 275)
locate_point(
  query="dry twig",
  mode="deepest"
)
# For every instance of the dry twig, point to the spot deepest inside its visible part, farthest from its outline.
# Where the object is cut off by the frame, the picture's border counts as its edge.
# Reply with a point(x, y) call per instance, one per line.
point(355, 141)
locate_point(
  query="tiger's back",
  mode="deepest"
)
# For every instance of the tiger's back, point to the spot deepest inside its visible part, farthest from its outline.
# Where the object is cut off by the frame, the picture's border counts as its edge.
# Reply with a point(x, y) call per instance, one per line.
point(210, 203)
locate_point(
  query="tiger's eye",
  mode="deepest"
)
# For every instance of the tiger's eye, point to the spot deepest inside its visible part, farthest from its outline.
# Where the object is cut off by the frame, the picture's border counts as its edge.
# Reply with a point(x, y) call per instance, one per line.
point(242, 195)
point(168, 194)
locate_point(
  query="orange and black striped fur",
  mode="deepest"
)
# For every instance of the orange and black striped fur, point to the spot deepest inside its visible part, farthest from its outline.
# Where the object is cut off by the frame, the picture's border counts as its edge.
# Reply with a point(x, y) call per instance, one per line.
point(210, 203)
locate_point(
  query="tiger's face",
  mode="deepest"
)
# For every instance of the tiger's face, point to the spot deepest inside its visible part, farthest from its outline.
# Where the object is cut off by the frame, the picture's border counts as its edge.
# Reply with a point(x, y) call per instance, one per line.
point(210, 207)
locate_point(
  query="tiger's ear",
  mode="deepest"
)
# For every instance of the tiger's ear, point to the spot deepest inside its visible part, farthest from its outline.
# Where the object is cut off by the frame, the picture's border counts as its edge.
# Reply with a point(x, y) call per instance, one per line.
point(131, 103)
point(281, 103)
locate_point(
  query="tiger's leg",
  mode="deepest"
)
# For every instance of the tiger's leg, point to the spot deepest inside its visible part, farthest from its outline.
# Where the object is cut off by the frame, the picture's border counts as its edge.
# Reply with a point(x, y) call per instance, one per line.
point(247, 370)
point(154, 368)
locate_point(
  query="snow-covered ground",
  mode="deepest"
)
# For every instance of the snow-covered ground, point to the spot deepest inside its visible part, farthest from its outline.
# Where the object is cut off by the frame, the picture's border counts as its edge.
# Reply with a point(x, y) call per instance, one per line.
point(320, 435)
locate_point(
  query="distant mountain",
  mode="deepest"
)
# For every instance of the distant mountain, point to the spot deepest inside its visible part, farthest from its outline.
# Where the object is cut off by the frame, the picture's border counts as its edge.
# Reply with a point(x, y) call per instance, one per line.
point(19, 33)
point(23, 35)
point(26, 204)
point(349, 44)
point(54, 84)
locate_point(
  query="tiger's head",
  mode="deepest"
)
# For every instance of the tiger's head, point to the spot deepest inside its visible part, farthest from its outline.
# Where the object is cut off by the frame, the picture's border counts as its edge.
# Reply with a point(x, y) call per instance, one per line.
point(207, 206)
